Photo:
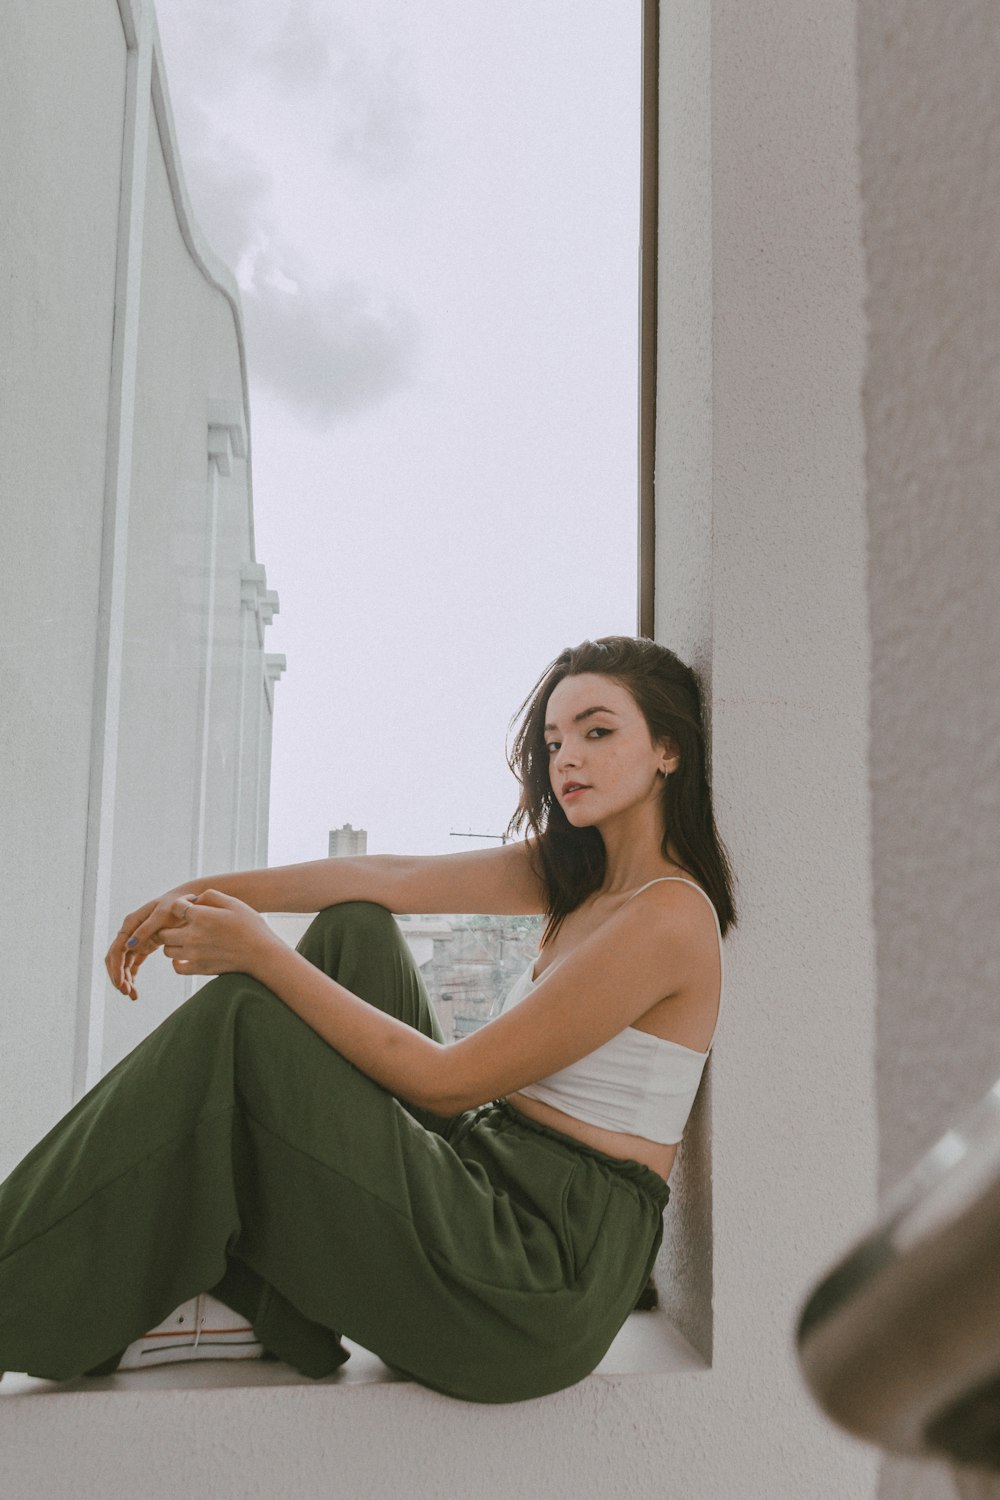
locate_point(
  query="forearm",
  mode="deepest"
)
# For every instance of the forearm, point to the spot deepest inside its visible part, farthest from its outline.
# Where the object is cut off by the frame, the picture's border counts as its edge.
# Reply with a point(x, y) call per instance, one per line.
point(401, 1059)
point(502, 880)
point(307, 887)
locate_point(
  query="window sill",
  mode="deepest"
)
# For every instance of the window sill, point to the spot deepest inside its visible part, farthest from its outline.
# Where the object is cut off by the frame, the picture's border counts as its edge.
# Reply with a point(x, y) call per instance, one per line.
point(647, 1345)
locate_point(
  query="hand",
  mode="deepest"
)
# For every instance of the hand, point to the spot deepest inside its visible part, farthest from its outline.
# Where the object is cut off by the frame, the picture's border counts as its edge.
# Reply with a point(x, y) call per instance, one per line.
point(213, 933)
point(144, 930)
point(137, 938)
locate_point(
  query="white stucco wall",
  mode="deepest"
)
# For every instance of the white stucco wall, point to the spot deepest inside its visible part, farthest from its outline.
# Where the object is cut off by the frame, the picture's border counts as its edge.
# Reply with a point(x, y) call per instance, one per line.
point(761, 583)
point(930, 110)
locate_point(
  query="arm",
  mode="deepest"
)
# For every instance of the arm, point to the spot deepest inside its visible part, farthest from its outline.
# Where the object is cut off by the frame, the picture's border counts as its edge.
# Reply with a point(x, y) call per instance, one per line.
point(639, 956)
point(499, 880)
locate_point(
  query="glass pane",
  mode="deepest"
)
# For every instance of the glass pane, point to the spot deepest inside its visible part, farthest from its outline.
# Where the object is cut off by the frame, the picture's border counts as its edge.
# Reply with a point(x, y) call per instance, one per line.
point(436, 238)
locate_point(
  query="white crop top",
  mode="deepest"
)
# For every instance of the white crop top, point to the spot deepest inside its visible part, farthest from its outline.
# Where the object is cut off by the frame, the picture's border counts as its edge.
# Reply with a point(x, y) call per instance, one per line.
point(636, 1083)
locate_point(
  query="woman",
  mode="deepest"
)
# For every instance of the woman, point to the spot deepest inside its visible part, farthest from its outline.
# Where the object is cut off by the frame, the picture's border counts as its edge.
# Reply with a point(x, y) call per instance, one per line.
point(297, 1141)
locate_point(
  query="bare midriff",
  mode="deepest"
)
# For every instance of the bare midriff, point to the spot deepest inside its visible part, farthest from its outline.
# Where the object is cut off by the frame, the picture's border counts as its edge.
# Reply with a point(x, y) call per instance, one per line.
point(612, 1142)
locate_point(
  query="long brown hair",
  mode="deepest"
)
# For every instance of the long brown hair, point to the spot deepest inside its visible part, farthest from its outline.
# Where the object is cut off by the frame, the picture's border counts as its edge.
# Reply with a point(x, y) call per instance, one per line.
point(572, 861)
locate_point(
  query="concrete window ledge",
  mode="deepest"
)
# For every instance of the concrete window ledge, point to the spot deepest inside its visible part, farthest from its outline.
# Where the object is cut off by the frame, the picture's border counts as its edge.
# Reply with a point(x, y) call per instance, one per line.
point(249, 1429)
point(648, 1344)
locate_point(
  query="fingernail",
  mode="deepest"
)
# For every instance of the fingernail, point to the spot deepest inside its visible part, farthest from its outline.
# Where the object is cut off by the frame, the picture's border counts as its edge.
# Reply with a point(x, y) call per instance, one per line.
point(131, 942)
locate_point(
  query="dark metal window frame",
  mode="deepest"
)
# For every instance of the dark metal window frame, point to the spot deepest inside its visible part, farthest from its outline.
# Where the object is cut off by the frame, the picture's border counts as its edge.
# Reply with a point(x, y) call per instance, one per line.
point(649, 109)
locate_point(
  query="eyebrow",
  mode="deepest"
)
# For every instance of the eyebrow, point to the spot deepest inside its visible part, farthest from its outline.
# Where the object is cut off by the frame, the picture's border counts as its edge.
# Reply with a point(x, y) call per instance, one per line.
point(586, 715)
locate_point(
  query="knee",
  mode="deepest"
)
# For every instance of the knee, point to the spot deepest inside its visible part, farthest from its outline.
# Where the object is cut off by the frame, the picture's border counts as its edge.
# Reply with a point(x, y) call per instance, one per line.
point(353, 916)
point(364, 920)
point(213, 1003)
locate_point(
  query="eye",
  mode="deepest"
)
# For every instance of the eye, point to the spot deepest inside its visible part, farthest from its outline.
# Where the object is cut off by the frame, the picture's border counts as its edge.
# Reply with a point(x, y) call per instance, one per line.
point(552, 745)
point(598, 730)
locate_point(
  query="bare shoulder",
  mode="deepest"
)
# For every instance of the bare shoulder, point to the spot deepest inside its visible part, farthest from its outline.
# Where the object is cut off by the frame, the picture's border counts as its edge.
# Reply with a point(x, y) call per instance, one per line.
point(675, 915)
point(685, 899)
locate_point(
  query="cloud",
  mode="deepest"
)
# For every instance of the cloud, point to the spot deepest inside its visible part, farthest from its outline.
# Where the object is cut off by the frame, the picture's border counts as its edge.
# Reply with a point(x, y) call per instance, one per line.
point(359, 91)
point(329, 344)
point(294, 51)
point(326, 350)
point(381, 129)
point(230, 187)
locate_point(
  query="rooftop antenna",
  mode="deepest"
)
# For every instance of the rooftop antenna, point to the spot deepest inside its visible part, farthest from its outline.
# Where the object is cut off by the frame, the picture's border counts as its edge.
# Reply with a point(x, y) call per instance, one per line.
point(501, 836)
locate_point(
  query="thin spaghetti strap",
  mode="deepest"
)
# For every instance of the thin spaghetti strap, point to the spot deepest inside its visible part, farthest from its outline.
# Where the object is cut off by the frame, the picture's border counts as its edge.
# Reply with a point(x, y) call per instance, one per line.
point(659, 878)
point(694, 886)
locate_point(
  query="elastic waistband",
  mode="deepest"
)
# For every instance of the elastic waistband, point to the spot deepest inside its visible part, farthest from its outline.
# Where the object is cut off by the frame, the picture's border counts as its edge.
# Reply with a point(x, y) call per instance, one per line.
point(650, 1183)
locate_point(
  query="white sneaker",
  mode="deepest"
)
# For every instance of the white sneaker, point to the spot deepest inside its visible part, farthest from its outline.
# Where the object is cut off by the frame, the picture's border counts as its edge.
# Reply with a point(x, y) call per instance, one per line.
point(201, 1328)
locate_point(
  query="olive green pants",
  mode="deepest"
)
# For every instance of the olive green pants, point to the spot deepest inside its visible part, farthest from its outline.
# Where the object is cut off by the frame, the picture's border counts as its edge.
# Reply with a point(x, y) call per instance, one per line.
point(235, 1151)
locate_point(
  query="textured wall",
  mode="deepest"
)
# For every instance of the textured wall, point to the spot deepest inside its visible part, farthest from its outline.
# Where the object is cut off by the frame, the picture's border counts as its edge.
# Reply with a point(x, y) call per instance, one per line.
point(930, 111)
point(761, 505)
point(684, 487)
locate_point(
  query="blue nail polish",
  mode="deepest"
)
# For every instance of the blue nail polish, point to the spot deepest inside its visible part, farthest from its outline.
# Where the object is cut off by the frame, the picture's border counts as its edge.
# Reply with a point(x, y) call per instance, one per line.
point(131, 942)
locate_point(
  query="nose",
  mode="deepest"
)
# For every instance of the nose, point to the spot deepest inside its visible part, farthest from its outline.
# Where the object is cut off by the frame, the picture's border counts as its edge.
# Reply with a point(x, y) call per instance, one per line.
point(566, 756)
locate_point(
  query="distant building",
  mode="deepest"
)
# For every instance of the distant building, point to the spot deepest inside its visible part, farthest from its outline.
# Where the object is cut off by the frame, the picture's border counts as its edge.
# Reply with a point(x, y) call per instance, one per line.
point(468, 963)
point(347, 841)
point(475, 961)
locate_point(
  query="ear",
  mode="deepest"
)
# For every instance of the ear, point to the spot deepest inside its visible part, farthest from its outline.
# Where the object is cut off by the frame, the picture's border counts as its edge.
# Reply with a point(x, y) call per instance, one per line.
point(670, 758)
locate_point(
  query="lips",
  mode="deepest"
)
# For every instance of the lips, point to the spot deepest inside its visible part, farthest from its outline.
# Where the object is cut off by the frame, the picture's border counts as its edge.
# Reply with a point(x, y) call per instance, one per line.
point(572, 788)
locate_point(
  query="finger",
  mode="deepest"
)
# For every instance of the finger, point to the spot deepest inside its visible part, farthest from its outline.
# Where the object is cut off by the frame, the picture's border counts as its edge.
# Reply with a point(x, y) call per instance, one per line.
point(118, 958)
point(119, 943)
point(114, 962)
point(211, 897)
point(181, 907)
point(132, 966)
point(115, 955)
point(124, 981)
point(145, 939)
point(172, 935)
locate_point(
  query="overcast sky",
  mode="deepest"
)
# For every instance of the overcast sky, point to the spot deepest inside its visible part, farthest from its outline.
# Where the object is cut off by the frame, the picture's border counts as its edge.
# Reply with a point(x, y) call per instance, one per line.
point(432, 211)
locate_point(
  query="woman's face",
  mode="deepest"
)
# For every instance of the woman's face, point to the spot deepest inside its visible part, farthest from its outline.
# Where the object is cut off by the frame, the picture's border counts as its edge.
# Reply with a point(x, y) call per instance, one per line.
point(602, 761)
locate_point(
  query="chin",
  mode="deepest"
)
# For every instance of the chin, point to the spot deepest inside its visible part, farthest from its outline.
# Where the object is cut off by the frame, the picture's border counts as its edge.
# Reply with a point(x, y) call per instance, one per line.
point(577, 818)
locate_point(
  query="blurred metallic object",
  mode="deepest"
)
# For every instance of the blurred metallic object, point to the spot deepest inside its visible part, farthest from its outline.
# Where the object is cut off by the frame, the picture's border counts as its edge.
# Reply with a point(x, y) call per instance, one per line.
point(900, 1342)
